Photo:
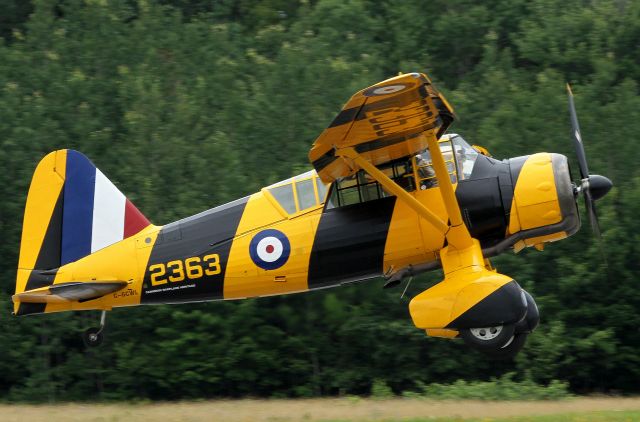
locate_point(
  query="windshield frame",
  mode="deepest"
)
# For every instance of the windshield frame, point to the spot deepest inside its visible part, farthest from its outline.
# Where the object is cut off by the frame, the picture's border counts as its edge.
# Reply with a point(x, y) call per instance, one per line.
point(320, 199)
point(453, 148)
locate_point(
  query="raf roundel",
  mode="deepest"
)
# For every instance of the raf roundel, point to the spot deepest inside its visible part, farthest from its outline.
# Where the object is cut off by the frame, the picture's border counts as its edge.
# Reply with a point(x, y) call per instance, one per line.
point(270, 249)
point(384, 90)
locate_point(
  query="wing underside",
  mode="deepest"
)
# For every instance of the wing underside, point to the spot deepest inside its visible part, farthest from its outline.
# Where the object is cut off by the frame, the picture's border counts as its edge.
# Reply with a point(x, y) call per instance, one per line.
point(391, 119)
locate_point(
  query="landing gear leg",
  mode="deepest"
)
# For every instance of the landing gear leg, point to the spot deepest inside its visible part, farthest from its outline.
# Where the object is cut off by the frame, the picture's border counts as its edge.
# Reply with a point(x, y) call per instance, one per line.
point(93, 336)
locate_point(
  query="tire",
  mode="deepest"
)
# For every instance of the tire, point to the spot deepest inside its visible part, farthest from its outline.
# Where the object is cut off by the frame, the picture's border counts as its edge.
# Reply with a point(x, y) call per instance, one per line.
point(509, 351)
point(488, 338)
point(92, 337)
point(530, 322)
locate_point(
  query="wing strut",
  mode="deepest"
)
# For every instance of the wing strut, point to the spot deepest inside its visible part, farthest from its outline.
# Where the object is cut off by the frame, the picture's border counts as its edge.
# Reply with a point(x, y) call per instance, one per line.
point(393, 187)
point(456, 234)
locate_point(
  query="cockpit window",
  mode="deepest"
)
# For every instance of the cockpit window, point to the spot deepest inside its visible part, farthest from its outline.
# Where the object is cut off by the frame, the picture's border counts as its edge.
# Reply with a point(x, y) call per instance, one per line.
point(459, 157)
point(424, 166)
point(299, 193)
point(465, 156)
point(284, 195)
point(322, 190)
point(361, 187)
point(306, 194)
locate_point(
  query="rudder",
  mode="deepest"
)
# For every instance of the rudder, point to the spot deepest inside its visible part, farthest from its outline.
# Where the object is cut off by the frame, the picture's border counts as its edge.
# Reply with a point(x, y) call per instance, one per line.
point(72, 211)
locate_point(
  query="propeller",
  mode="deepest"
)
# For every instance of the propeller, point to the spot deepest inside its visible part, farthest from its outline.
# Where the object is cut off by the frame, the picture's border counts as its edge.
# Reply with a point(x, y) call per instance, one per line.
point(592, 186)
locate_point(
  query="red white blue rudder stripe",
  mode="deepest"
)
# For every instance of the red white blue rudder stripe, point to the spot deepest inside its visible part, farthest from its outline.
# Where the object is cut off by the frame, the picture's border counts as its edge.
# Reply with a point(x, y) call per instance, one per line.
point(95, 213)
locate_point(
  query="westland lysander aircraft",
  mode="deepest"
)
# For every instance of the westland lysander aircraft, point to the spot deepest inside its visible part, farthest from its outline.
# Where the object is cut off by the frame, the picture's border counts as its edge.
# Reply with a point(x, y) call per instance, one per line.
point(392, 195)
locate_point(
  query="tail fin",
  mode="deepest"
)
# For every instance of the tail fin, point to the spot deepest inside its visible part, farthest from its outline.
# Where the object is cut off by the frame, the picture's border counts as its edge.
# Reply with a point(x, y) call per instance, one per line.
point(72, 211)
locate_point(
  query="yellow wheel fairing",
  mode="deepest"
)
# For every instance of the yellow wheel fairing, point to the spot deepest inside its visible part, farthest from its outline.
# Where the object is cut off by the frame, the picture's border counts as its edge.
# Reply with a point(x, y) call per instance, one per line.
point(470, 296)
point(467, 283)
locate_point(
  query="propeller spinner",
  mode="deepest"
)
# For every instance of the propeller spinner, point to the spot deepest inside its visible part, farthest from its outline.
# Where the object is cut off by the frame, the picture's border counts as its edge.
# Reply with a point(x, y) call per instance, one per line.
point(592, 186)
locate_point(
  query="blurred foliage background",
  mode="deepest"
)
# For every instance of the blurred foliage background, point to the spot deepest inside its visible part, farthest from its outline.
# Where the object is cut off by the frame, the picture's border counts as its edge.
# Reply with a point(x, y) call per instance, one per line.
point(187, 104)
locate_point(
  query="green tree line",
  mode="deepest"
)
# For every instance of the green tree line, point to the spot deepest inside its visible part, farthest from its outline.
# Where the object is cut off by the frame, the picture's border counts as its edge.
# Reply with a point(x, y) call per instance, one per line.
point(187, 104)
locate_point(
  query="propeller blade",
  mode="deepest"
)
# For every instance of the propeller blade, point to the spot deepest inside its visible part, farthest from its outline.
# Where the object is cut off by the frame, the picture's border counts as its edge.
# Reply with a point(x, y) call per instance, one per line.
point(592, 187)
point(591, 214)
point(577, 138)
point(595, 225)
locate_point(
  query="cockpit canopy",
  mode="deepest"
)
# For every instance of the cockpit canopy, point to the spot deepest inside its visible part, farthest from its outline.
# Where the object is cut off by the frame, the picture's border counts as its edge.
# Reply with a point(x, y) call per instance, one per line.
point(410, 172)
point(299, 193)
point(306, 191)
point(459, 164)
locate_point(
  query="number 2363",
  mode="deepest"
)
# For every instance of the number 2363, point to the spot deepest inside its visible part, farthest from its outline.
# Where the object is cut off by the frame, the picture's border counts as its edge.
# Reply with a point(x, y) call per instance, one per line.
point(182, 269)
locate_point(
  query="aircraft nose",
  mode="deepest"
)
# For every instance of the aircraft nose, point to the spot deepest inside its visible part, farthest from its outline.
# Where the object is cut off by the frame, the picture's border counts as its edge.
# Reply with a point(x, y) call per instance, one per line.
point(566, 193)
point(599, 186)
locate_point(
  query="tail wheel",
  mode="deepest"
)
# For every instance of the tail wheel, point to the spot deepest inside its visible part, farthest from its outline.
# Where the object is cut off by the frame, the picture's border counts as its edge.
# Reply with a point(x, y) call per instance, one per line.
point(489, 338)
point(93, 337)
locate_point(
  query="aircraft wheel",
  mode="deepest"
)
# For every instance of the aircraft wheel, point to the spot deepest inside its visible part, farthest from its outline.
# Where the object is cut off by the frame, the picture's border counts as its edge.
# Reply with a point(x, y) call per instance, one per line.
point(532, 319)
point(488, 338)
point(510, 350)
point(93, 337)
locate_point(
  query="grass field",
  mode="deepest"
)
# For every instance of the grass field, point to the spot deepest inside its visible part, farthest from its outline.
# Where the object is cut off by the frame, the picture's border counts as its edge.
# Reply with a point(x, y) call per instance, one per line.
point(336, 410)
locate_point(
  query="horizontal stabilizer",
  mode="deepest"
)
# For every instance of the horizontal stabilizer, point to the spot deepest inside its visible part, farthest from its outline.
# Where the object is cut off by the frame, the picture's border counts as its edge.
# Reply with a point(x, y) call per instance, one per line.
point(69, 292)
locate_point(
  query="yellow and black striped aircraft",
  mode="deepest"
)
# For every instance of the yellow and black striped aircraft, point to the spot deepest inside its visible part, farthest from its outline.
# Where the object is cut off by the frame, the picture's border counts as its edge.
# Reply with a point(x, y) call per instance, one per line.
point(392, 195)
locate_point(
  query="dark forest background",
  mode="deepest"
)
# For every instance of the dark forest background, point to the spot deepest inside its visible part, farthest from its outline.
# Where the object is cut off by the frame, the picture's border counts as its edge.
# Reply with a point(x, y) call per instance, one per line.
point(187, 104)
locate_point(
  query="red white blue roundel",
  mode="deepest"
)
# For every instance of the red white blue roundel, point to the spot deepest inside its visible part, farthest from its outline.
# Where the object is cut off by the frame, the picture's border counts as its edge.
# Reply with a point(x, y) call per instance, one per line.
point(270, 249)
point(384, 90)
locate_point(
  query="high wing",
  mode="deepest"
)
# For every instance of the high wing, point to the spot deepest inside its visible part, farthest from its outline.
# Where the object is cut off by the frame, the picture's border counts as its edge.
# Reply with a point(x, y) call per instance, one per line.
point(391, 119)
point(394, 118)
